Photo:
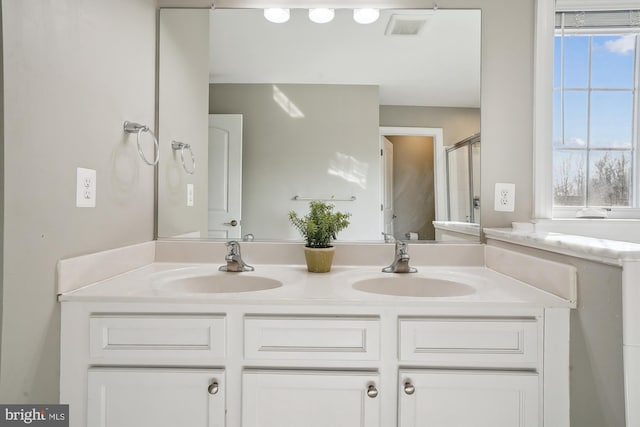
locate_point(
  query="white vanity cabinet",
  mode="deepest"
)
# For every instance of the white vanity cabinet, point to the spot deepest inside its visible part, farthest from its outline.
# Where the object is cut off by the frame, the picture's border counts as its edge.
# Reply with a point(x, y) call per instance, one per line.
point(482, 371)
point(472, 398)
point(315, 365)
point(285, 398)
point(135, 397)
point(316, 394)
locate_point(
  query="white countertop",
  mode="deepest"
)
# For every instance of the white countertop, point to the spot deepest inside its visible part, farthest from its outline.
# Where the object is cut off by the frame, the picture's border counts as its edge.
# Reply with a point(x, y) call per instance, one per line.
point(301, 287)
point(602, 250)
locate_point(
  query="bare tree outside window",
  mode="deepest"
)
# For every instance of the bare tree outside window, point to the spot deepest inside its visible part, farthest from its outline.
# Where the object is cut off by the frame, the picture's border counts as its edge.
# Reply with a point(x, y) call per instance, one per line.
point(611, 180)
point(569, 180)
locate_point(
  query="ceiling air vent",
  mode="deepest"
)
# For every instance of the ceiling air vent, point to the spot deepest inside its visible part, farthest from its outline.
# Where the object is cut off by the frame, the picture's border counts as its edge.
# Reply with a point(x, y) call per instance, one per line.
point(406, 25)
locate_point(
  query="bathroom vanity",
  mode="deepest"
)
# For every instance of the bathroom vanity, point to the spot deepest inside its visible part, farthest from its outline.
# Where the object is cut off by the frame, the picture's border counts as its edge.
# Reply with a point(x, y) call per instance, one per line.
point(174, 344)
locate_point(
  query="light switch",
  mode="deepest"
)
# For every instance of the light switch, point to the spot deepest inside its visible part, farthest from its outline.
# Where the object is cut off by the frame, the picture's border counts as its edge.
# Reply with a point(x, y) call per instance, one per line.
point(85, 188)
point(189, 194)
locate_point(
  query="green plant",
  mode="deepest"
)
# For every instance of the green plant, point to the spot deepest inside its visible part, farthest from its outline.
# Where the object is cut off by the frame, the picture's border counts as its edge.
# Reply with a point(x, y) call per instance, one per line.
point(320, 225)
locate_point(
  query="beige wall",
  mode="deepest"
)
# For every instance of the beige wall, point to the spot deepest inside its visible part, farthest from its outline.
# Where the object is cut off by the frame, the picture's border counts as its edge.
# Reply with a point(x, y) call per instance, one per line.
point(1, 181)
point(413, 186)
point(329, 147)
point(183, 99)
point(74, 71)
point(456, 123)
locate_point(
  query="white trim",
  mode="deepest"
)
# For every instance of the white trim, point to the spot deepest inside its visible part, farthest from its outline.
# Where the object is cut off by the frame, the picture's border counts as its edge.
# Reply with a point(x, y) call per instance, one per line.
point(556, 375)
point(584, 5)
point(612, 213)
point(439, 168)
point(542, 111)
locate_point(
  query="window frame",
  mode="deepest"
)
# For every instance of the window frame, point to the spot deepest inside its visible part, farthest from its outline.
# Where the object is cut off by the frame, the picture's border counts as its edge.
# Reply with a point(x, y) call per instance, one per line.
point(543, 102)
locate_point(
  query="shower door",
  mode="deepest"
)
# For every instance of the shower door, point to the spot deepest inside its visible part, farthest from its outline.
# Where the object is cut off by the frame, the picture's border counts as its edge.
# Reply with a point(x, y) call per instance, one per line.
point(463, 180)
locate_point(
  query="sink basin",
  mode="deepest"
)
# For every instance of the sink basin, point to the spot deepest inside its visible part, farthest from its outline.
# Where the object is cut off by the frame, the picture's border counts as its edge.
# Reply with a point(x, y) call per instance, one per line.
point(217, 283)
point(411, 286)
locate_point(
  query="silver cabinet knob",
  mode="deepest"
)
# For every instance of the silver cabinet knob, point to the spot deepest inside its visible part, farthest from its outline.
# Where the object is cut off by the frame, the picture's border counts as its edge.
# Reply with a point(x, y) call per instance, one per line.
point(233, 223)
point(213, 387)
point(372, 391)
point(409, 388)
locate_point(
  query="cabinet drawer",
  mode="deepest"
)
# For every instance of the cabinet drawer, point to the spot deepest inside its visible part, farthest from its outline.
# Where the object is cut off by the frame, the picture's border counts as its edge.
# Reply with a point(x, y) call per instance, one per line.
point(312, 338)
point(156, 336)
point(470, 341)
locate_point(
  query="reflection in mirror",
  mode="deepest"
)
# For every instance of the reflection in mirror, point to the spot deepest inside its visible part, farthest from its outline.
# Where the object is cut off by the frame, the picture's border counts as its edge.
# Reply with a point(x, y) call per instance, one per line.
point(463, 183)
point(296, 111)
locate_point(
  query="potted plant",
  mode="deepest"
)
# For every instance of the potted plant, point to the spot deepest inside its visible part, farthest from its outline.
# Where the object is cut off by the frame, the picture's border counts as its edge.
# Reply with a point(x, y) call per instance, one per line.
point(318, 228)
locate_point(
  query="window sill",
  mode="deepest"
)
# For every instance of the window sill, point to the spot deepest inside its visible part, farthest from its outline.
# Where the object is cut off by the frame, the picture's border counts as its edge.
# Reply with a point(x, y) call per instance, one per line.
point(595, 249)
point(630, 214)
point(625, 230)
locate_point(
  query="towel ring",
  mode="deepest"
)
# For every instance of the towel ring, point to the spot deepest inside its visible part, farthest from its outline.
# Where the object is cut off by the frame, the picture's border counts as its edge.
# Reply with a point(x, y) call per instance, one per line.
point(177, 145)
point(137, 128)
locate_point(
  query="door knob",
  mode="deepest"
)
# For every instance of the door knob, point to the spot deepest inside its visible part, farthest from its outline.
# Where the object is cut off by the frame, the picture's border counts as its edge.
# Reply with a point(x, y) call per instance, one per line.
point(233, 223)
point(409, 388)
point(213, 387)
point(372, 391)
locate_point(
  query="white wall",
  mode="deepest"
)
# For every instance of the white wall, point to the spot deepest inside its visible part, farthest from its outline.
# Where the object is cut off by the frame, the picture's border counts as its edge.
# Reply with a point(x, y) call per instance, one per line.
point(74, 71)
point(322, 141)
point(183, 98)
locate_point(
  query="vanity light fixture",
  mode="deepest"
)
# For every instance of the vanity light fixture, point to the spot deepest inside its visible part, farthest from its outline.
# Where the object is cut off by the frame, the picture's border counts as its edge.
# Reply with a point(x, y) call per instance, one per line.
point(366, 16)
point(277, 15)
point(321, 15)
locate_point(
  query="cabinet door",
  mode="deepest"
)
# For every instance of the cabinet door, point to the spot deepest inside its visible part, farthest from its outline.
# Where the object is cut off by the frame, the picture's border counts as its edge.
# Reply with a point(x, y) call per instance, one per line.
point(155, 397)
point(468, 399)
point(310, 399)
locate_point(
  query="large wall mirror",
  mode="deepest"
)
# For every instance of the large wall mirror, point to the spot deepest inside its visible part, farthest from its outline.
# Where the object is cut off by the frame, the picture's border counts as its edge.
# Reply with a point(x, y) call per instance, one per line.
point(370, 117)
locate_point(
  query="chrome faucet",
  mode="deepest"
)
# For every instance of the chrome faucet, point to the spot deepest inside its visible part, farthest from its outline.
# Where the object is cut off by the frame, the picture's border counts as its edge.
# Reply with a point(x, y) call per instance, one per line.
point(401, 260)
point(234, 260)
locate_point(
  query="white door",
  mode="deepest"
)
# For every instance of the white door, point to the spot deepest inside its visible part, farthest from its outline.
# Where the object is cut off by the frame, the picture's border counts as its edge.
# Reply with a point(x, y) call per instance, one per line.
point(437, 398)
point(310, 399)
point(225, 175)
point(146, 397)
point(387, 197)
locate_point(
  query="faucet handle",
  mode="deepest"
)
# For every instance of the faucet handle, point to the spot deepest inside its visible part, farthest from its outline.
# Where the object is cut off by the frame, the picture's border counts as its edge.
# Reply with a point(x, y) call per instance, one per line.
point(402, 247)
point(233, 247)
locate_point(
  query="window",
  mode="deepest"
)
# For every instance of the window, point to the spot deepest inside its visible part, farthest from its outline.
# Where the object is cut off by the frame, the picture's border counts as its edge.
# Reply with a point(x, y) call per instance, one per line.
point(596, 110)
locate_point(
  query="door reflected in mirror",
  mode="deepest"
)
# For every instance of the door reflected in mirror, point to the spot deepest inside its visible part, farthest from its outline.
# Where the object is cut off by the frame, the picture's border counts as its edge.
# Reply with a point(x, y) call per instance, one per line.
point(284, 113)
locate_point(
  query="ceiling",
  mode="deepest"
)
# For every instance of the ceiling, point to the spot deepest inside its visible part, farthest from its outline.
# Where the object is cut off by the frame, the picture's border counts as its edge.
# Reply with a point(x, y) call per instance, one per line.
point(438, 67)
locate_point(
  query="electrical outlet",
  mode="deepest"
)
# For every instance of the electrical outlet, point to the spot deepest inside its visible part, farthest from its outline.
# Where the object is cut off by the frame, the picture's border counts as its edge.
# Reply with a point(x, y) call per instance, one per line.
point(189, 194)
point(85, 188)
point(505, 197)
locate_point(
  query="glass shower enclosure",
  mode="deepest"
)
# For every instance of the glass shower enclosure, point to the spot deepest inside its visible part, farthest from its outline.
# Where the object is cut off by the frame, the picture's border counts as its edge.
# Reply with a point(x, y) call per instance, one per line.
point(463, 180)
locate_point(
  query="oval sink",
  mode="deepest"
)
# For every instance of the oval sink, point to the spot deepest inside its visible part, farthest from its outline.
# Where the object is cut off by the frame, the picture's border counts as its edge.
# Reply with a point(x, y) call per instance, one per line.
point(411, 286)
point(217, 283)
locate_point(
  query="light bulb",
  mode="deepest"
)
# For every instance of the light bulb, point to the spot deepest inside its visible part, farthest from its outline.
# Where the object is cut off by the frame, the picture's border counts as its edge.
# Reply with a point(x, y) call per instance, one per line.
point(276, 15)
point(321, 15)
point(365, 16)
